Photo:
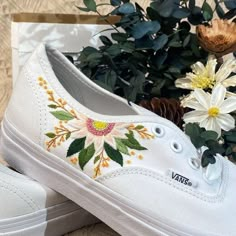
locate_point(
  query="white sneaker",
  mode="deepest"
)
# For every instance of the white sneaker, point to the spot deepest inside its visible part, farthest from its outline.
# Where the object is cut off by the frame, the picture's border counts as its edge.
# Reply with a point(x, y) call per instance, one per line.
point(136, 171)
point(28, 208)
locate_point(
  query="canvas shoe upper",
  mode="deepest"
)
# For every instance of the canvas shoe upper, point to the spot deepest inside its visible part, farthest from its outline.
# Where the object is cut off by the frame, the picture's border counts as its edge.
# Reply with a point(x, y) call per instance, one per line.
point(140, 167)
point(29, 208)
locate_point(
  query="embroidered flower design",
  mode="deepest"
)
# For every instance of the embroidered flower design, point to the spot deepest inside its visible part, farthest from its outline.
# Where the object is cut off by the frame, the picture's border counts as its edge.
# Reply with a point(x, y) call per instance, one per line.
point(97, 132)
point(92, 139)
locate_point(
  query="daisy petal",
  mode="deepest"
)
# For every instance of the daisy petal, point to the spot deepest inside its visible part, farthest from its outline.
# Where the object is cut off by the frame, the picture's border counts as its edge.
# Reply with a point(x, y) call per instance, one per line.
point(226, 121)
point(183, 83)
point(195, 116)
point(225, 70)
point(198, 68)
point(228, 105)
point(211, 66)
point(213, 125)
point(231, 81)
point(194, 105)
point(202, 98)
point(218, 95)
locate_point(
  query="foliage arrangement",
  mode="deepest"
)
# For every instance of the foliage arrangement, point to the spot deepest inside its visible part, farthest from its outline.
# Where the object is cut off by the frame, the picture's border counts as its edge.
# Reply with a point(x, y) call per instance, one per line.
point(173, 49)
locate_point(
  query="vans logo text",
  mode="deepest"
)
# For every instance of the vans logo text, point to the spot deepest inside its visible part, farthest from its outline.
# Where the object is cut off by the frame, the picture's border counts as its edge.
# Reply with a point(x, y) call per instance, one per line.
point(181, 179)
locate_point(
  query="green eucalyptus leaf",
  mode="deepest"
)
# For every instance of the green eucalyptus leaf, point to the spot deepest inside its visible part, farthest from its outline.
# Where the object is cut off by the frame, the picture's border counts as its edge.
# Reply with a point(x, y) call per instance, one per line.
point(115, 2)
point(181, 13)
point(110, 78)
point(230, 14)
point(230, 4)
point(94, 56)
point(215, 146)
point(85, 9)
point(85, 155)
point(231, 137)
point(160, 42)
point(119, 37)
point(113, 154)
point(194, 131)
point(219, 10)
point(164, 8)
point(209, 135)
point(147, 27)
point(191, 4)
point(103, 85)
point(228, 151)
point(91, 5)
point(127, 46)
point(126, 8)
point(62, 115)
point(105, 40)
point(114, 50)
point(187, 40)
point(160, 58)
point(207, 11)
point(207, 158)
point(234, 156)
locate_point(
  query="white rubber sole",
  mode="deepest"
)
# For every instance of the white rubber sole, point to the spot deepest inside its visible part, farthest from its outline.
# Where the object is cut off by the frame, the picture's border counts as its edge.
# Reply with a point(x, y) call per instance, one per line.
point(119, 214)
point(53, 221)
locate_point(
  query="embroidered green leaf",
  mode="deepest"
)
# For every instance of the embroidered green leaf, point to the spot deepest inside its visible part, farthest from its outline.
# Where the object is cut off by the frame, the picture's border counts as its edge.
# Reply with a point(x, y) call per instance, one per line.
point(96, 159)
point(113, 154)
point(132, 142)
point(121, 146)
point(139, 127)
point(76, 146)
point(85, 155)
point(62, 115)
point(68, 135)
point(50, 135)
point(52, 106)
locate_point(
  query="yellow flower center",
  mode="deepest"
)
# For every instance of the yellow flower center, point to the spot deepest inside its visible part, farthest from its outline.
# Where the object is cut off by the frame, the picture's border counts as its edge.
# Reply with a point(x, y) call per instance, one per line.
point(213, 111)
point(203, 82)
point(99, 125)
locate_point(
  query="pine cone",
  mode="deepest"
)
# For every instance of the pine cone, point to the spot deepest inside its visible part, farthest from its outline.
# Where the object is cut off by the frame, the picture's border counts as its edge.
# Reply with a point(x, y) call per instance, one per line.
point(167, 108)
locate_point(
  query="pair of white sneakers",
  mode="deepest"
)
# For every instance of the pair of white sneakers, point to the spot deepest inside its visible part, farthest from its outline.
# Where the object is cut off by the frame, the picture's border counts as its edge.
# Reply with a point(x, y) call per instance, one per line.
point(132, 169)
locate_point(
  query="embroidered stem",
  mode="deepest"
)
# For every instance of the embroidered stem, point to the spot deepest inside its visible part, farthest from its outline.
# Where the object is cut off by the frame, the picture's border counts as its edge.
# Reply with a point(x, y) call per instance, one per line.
point(142, 131)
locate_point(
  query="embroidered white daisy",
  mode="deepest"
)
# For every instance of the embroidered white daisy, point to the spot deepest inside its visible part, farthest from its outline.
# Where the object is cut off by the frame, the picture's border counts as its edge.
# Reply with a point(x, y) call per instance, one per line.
point(211, 110)
point(206, 77)
point(97, 132)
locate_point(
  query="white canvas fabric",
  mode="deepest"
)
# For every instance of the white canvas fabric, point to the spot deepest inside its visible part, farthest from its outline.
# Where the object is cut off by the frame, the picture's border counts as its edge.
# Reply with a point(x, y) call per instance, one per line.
point(134, 170)
point(28, 208)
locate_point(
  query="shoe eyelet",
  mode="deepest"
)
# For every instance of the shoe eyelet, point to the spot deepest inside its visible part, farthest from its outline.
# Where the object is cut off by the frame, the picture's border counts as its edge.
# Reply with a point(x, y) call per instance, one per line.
point(176, 147)
point(194, 163)
point(158, 131)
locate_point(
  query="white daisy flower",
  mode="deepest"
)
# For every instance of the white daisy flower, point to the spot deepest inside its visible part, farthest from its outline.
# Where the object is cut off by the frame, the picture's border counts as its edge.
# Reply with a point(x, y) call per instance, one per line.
point(97, 132)
point(211, 110)
point(206, 77)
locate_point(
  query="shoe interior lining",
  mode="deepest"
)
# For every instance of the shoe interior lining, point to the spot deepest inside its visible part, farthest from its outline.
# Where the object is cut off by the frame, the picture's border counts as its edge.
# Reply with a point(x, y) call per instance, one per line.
point(79, 89)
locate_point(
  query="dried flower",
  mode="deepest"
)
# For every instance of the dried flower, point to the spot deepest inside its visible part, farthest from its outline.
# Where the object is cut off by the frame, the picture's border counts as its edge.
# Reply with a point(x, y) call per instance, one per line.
point(219, 38)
